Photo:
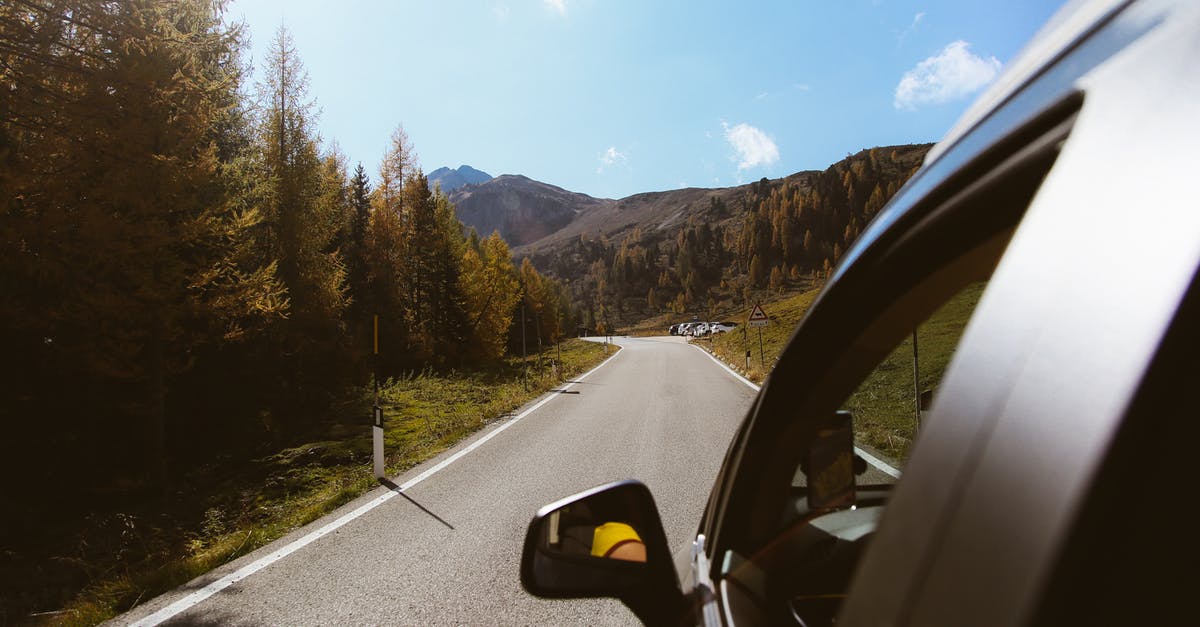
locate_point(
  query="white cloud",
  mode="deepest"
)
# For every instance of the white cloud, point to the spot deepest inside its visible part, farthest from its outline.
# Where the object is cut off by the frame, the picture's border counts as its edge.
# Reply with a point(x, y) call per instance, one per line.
point(762, 96)
point(501, 11)
point(952, 74)
point(558, 6)
point(911, 27)
point(751, 146)
point(611, 158)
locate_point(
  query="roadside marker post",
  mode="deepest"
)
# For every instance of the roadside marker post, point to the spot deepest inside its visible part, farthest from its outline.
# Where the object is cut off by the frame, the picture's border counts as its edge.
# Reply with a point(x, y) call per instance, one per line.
point(378, 443)
point(746, 345)
point(377, 412)
point(916, 379)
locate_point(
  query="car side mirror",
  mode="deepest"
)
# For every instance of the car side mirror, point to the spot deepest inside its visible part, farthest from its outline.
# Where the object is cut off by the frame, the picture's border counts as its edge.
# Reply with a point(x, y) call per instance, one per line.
point(832, 464)
point(605, 542)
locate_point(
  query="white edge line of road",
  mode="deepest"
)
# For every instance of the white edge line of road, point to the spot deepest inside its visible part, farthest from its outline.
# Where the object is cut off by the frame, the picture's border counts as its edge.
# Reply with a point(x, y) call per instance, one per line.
point(875, 461)
point(200, 595)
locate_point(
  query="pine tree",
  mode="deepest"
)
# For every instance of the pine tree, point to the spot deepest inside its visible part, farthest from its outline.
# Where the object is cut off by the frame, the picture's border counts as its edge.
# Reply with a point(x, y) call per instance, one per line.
point(397, 165)
point(756, 273)
point(356, 241)
point(491, 290)
point(126, 252)
point(776, 281)
point(303, 206)
point(448, 301)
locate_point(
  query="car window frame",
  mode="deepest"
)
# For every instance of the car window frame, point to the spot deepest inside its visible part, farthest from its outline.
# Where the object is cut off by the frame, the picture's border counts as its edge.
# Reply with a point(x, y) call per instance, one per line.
point(886, 266)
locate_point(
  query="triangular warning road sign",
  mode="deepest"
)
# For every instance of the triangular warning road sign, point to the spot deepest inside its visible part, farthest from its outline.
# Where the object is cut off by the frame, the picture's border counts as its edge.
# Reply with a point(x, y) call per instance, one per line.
point(758, 317)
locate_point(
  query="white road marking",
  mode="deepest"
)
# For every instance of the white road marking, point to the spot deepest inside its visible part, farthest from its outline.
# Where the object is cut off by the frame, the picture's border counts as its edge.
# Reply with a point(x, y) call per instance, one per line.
point(727, 368)
point(200, 595)
point(874, 461)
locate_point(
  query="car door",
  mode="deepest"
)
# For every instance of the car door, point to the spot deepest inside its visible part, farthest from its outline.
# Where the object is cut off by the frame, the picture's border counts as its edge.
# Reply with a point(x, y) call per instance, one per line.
point(1040, 380)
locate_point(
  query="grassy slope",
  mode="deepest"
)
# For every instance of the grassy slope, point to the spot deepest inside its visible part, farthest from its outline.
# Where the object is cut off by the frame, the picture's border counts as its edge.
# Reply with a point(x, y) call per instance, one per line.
point(883, 404)
point(131, 555)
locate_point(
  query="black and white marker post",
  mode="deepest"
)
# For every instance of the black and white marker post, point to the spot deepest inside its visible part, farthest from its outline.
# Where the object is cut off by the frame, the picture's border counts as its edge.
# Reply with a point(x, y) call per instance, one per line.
point(377, 412)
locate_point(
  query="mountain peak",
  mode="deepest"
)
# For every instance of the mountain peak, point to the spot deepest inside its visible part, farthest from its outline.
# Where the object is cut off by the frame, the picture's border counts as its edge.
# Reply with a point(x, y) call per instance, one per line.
point(451, 180)
point(522, 209)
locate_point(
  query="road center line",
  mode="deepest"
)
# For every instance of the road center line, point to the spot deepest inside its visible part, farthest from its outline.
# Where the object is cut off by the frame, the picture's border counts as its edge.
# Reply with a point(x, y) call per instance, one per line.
point(874, 461)
point(200, 595)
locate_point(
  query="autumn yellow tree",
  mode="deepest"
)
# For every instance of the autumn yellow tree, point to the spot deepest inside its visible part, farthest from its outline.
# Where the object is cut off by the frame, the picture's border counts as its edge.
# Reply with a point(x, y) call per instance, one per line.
point(127, 255)
point(491, 291)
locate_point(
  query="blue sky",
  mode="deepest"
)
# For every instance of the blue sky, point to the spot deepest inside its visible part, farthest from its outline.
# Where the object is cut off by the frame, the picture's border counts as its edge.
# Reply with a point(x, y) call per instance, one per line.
point(616, 97)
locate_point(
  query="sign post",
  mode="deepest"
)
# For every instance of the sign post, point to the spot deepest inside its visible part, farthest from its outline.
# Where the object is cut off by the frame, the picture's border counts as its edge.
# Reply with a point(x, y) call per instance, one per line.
point(746, 345)
point(916, 380)
point(377, 412)
point(758, 318)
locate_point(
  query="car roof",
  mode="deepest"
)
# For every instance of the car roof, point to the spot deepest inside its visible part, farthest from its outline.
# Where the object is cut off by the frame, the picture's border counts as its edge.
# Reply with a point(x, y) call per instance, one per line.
point(1072, 22)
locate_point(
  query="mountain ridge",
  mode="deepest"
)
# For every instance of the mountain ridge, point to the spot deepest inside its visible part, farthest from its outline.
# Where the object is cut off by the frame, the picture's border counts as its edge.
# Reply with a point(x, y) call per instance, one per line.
point(695, 250)
point(692, 249)
point(531, 214)
point(452, 179)
point(522, 209)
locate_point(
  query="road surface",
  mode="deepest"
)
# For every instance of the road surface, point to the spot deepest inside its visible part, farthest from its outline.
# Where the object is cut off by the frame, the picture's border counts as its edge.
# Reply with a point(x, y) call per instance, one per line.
point(446, 549)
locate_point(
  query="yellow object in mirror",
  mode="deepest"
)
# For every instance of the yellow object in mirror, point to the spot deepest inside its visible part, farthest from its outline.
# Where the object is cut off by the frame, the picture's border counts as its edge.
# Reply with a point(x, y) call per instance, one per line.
point(617, 540)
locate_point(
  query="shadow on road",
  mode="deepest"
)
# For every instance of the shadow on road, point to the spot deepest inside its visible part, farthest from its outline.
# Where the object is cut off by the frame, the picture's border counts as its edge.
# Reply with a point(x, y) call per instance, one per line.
point(207, 618)
point(566, 391)
point(395, 488)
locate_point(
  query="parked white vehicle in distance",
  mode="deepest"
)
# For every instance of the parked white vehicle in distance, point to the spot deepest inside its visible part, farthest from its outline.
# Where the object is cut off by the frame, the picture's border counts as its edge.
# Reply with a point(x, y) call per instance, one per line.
point(721, 327)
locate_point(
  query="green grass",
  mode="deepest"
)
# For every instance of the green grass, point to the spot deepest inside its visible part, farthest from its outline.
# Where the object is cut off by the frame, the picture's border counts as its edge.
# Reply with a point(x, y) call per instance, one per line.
point(127, 557)
point(784, 313)
point(883, 407)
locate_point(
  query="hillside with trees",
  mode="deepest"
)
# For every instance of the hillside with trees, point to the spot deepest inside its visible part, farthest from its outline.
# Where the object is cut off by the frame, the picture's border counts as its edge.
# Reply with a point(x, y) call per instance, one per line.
point(191, 273)
point(703, 252)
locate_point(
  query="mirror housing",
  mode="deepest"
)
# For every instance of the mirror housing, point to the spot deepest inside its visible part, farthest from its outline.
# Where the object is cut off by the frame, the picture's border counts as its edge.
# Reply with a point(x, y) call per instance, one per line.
point(604, 542)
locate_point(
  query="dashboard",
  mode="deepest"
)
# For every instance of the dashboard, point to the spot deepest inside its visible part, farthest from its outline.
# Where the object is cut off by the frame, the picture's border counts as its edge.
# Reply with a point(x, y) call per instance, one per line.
point(801, 576)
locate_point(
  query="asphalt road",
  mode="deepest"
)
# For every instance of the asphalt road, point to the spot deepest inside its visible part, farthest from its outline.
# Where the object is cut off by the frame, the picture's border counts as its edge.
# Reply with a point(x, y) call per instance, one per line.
point(446, 550)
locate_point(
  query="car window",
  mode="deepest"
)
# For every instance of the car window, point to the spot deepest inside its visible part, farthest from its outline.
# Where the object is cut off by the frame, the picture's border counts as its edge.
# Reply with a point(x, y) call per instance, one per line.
point(851, 360)
point(831, 520)
point(890, 403)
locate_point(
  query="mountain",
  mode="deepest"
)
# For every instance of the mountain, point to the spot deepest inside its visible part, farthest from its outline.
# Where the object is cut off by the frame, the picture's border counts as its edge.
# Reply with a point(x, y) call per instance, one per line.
point(521, 209)
point(690, 251)
point(693, 250)
point(451, 180)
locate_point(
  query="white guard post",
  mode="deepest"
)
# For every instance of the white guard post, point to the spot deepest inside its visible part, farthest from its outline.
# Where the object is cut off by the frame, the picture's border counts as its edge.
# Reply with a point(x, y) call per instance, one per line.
point(378, 433)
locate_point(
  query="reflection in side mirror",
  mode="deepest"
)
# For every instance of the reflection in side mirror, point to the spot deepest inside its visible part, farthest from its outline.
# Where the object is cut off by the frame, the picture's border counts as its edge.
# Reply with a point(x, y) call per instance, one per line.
point(605, 542)
point(568, 531)
point(831, 462)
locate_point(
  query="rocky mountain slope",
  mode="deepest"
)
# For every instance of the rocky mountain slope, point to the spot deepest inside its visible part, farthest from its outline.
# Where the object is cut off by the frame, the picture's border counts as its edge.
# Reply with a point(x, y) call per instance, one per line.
point(521, 209)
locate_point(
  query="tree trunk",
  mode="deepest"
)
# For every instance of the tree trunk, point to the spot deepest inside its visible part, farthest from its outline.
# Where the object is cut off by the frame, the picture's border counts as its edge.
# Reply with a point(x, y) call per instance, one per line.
point(156, 418)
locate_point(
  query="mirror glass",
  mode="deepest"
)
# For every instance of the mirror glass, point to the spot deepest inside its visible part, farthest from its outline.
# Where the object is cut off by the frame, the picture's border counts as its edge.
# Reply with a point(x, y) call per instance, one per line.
point(831, 464)
point(602, 542)
point(579, 530)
